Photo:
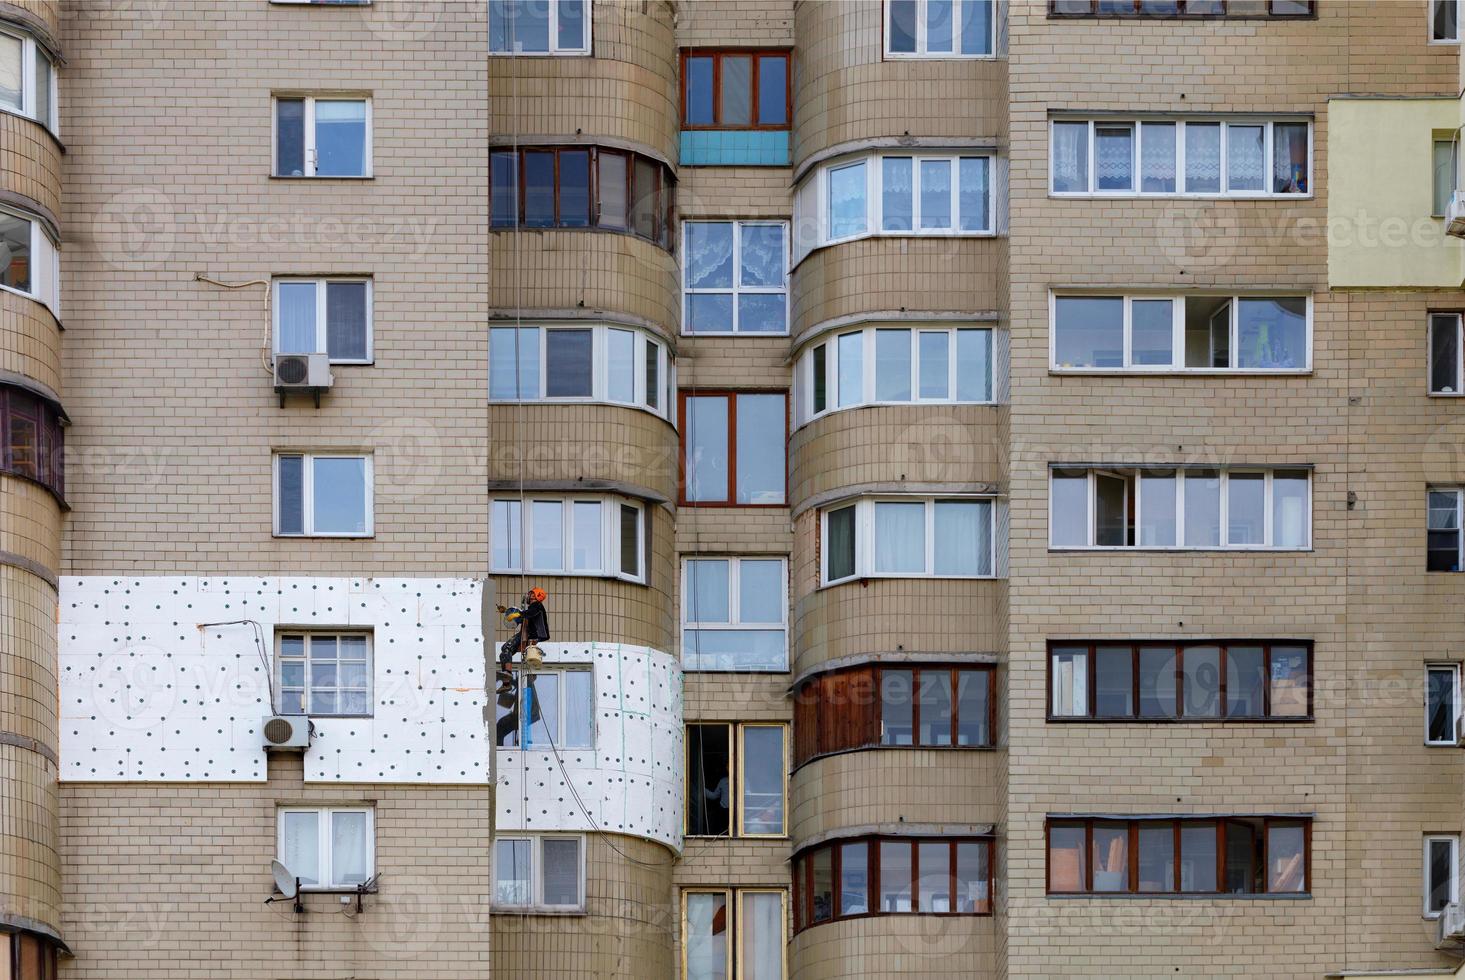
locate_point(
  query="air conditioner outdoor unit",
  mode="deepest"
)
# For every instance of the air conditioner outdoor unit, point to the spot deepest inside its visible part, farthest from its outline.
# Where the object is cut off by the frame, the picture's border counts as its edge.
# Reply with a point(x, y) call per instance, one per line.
point(286, 732)
point(1455, 216)
point(1452, 924)
point(309, 373)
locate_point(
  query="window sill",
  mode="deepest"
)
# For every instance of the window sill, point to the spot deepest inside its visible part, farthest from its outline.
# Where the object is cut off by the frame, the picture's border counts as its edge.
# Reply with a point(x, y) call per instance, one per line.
point(733, 333)
point(303, 177)
point(1446, 394)
point(938, 56)
point(32, 119)
point(539, 54)
point(1136, 196)
point(1164, 549)
point(316, 537)
point(565, 574)
point(1173, 372)
point(1226, 722)
point(735, 671)
point(1189, 896)
point(866, 579)
point(526, 911)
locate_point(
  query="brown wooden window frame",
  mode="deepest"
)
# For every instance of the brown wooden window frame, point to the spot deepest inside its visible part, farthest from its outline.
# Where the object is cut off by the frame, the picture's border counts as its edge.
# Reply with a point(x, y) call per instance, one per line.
point(717, 54)
point(842, 710)
point(803, 877)
point(28, 956)
point(731, 394)
point(1177, 823)
point(1091, 715)
point(663, 192)
point(1184, 9)
point(42, 462)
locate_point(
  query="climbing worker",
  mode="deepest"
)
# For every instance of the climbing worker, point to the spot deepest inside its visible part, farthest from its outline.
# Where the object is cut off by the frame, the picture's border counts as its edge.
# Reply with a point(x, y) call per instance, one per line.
point(533, 622)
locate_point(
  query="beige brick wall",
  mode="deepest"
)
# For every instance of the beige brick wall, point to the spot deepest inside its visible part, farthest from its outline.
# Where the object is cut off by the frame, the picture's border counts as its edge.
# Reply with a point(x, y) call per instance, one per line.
point(30, 163)
point(168, 878)
point(30, 340)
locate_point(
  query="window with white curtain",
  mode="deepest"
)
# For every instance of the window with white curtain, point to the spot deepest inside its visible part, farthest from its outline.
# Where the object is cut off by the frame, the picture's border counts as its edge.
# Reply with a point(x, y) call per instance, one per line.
point(908, 537)
point(940, 28)
point(328, 848)
point(735, 614)
point(739, 932)
point(1155, 332)
point(1444, 21)
point(1180, 507)
point(331, 316)
point(594, 536)
point(895, 366)
point(27, 77)
point(931, 192)
point(603, 362)
point(735, 277)
point(30, 263)
point(539, 872)
point(1235, 156)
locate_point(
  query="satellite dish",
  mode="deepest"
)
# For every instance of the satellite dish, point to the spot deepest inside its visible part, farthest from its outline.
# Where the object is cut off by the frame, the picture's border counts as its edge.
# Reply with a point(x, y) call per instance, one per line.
point(284, 880)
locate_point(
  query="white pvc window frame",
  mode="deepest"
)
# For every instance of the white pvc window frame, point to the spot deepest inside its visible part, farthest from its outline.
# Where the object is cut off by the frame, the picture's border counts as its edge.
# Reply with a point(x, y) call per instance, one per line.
point(804, 374)
point(958, 19)
point(1453, 840)
point(1453, 669)
point(45, 263)
point(307, 493)
point(536, 901)
point(874, 199)
point(1458, 323)
point(554, 50)
point(1134, 476)
point(307, 688)
point(1177, 335)
point(31, 52)
point(1137, 157)
point(734, 622)
point(864, 566)
point(600, 387)
point(322, 306)
point(324, 841)
point(311, 160)
point(737, 289)
point(610, 536)
point(563, 709)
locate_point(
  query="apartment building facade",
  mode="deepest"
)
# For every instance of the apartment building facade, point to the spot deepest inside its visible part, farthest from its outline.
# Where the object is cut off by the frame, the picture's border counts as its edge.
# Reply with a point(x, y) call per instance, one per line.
point(991, 464)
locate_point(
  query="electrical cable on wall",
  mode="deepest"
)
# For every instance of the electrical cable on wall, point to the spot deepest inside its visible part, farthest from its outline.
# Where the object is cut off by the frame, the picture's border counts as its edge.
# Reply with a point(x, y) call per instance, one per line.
point(268, 345)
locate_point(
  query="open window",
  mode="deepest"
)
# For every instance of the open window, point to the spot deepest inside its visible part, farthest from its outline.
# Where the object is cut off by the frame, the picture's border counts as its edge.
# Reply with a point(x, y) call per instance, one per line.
point(1441, 873)
point(737, 780)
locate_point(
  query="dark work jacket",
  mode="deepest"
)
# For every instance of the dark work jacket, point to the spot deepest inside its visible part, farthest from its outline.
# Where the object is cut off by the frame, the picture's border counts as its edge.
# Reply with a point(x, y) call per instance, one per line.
point(536, 622)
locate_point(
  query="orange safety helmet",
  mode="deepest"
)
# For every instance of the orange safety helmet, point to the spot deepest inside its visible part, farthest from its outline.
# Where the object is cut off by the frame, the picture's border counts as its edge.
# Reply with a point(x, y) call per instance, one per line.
point(537, 594)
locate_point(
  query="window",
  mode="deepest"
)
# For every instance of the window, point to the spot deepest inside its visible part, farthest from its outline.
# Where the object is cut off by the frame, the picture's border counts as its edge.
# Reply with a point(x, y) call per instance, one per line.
point(324, 315)
point(598, 536)
point(926, 706)
point(539, 872)
point(736, 89)
point(29, 261)
point(735, 277)
point(581, 186)
point(580, 362)
point(735, 614)
point(740, 792)
point(26, 956)
point(892, 876)
point(1180, 8)
point(1441, 872)
point(322, 495)
point(27, 78)
point(1444, 545)
point(1446, 174)
point(322, 137)
point(1181, 333)
point(895, 366)
point(1233, 680)
point(1180, 508)
point(739, 932)
point(1190, 157)
point(1442, 705)
point(31, 440)
point(558, 27)
point(902, 537)
point(734, 448)
point(909, 195)
point(1444, 21)
point(325, 674)
point(548, 709)
point(1264, 855)
point(328, 848)
point(940, 28)
point(1446, 343)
